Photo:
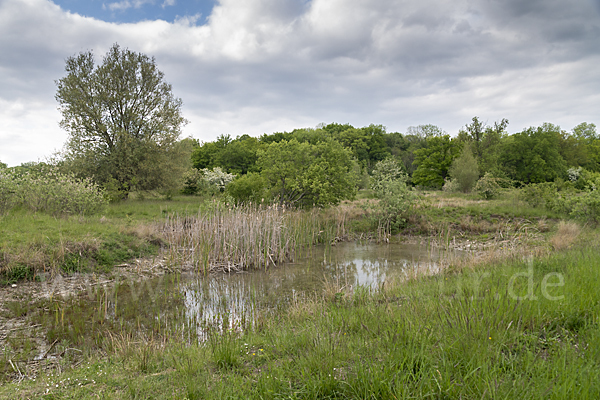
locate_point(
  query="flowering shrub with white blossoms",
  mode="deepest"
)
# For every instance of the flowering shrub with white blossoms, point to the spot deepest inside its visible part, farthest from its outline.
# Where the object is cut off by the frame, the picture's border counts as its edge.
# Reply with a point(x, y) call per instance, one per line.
point(207, 180)
point(217, 177)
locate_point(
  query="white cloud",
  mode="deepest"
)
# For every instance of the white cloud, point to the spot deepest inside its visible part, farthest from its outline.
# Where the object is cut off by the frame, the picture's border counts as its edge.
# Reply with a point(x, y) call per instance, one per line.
point(269, 65)
point(126, 4)
point(169, 3)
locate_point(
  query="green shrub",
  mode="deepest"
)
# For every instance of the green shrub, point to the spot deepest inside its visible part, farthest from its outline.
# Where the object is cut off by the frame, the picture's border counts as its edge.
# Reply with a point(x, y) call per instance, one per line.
point(395, 197)
point(250, 188)
point(584, 206)
point(488, 186)
point(583, 179)
point(49, 191)
point(542, 195)
point(464, 171)
point(450, 185)
point(58, 194)
point(193, 181)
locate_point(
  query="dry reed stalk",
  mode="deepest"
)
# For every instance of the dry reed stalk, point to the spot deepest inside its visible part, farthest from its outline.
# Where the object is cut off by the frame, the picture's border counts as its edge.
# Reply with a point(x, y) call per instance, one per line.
point(239, 238)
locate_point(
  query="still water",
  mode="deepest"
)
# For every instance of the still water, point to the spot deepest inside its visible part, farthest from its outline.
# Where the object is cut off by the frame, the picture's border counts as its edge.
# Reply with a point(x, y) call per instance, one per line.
point(231, 301)
point(193, 306)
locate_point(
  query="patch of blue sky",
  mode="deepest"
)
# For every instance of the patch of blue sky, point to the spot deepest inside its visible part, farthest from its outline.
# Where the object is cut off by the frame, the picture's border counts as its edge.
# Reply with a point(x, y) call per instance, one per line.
point(131, 11)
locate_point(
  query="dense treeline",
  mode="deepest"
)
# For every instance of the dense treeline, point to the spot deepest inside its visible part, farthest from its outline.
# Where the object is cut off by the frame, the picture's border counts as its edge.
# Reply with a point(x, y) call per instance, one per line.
point(124, 135)
point(324, 165)
point(297, 166)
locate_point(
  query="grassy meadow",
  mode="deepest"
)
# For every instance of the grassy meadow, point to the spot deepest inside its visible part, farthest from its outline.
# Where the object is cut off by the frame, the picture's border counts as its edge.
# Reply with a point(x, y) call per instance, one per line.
point(188, 228)
point(519, 320)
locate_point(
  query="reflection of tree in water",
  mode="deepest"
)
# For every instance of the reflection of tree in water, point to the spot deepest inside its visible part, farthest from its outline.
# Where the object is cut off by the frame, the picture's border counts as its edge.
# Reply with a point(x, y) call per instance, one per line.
point(219, 304)
point(231, 301)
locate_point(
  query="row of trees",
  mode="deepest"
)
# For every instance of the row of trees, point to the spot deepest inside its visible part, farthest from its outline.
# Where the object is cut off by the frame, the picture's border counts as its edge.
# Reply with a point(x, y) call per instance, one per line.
point(429, 156)
point(124, 127)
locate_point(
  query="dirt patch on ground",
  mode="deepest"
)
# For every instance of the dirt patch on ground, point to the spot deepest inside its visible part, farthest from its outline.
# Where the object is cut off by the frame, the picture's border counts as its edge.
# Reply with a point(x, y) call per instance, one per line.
point(51, 286)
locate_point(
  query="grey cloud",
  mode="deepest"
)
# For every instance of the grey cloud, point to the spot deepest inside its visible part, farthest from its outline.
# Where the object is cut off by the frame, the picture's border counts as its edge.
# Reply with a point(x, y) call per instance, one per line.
point(269, 65)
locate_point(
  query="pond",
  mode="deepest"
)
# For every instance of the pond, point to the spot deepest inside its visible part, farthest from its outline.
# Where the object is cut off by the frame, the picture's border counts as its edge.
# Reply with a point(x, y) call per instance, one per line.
point(231, 301)
point(191, 306)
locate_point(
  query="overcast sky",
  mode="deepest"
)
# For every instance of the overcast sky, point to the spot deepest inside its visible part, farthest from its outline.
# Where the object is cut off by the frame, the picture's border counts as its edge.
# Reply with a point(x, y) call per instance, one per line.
point(262, 66)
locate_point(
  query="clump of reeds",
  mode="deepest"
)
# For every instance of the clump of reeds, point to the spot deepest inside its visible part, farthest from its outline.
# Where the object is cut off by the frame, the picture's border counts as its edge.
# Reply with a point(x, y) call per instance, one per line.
point(242, 237)
point(565, 235)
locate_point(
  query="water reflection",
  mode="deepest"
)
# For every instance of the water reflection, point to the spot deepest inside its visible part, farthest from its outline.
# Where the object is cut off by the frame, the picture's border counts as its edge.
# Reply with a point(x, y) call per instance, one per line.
point(231, 301)
point(191, 306)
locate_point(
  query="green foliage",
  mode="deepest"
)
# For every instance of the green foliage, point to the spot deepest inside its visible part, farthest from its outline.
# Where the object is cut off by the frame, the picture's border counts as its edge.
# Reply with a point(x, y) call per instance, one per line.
point(353, 139)
point(573, 150)
point(384, 174)
point(464, 170)
point(239, 156)
point(204, 156)
point(307, 174)
point(583, 205)
point(123, 121)
point(485, 141)
point(487, 186)
point(434, 161)
point(193, 182)
point(395, 197)
point(540, 194)
point(583, 179)
point(593, 156)
point(49, 191)
point(376, 142)
point(586, 206)
point(533, 156)
point(249, 188)
point(586, 132)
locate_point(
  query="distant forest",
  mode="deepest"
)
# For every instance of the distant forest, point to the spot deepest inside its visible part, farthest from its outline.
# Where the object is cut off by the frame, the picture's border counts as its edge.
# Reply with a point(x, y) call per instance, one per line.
point(426, 153)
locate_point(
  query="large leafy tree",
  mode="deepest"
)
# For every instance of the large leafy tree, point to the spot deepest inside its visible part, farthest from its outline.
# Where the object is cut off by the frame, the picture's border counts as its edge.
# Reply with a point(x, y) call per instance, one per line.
point(434, 161)
point(239, 156)
point(207, 154)
point(308, 174)
point(122, 119)
point(484, 141)
point(587, 135)
point(533, 155)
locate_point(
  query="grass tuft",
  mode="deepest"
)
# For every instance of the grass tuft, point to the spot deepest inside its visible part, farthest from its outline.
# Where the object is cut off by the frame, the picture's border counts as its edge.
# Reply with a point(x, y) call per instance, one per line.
point(566, 234)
